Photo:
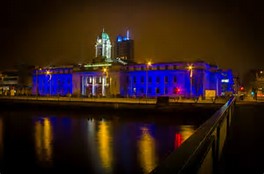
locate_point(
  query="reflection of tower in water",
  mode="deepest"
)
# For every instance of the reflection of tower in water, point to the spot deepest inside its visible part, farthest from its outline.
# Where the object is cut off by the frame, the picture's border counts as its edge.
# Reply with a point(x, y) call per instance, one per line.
point(43, 141)
point(105, 146)
point(147, 150)
point(1, 138)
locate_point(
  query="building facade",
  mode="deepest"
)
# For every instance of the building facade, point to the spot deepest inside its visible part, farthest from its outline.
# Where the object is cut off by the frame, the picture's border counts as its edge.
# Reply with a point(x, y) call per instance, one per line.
point(52, 81)
point(187, 79)
point(120, 76)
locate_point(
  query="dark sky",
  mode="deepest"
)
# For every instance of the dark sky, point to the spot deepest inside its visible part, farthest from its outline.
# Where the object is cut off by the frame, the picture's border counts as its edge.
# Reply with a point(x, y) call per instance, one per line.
point(228, 33)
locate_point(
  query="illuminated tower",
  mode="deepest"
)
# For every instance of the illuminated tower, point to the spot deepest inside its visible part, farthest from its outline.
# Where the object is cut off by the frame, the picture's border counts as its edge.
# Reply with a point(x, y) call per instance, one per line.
point(125, 48)
point(103, 48)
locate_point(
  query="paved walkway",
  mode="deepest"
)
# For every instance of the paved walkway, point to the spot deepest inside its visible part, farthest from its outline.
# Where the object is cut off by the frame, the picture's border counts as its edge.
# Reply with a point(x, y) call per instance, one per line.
point(244, 149)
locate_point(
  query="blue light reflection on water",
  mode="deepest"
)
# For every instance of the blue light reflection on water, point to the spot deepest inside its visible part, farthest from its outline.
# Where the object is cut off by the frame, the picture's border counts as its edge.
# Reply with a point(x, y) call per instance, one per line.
point(92, 144)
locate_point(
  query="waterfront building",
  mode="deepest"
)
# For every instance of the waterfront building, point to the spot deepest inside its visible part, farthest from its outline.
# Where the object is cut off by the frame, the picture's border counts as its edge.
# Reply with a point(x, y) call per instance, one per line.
point(16, 81)
point(52, 81)
point(187, 79)
point(112, 77)
point(9, 82)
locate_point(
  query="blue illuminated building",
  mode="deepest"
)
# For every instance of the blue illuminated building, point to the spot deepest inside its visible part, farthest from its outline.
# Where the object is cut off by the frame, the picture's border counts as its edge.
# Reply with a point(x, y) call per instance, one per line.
point(171, 79)
point(122, 77)
point(54, 81)
point(134, 80)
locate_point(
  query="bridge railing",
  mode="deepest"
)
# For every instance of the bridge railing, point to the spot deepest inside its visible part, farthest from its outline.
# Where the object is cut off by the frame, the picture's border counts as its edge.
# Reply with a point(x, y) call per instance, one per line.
point(201, 152)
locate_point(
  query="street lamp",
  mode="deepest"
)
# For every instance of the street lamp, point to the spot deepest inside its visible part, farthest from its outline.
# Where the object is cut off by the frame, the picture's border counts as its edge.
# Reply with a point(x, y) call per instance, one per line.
point(104, 80)
point(50, 76)
point(147, 67)
point(190, 68)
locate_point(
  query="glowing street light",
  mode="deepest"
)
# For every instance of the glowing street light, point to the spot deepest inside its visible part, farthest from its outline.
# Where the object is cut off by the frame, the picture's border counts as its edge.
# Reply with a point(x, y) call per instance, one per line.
point(190, 68)
point(149, 64)
point(48, 72)
point(104, 80)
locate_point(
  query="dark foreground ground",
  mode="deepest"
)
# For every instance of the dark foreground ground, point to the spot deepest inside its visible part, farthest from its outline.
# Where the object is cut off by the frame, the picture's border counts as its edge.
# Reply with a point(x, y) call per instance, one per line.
point(244, 149)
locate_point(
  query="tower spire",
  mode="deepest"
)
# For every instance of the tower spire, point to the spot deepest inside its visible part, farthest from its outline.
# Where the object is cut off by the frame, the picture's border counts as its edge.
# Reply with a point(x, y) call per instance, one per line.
point(127, 34)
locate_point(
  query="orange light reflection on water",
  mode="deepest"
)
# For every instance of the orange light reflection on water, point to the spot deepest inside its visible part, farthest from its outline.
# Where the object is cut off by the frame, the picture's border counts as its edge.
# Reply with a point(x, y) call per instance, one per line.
point(1, 137)
point(105, 145)
point(147, 151)
point(43, 141)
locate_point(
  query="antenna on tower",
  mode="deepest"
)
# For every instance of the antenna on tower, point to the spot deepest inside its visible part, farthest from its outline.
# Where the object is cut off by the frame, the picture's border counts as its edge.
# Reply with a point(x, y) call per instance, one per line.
point(127, 34)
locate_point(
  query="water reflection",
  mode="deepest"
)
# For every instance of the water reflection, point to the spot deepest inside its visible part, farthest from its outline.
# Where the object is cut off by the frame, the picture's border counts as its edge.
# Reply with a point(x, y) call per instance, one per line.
point(185, 132)
point(43, 141)
point(105, 145)
point(1, 138)
point(147, 150)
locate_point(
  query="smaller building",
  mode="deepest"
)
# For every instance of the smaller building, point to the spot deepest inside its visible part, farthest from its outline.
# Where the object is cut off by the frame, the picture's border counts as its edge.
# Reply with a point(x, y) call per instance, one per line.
point(226, 83)
point(16, 81)
point(254, 83)
point(9, 82)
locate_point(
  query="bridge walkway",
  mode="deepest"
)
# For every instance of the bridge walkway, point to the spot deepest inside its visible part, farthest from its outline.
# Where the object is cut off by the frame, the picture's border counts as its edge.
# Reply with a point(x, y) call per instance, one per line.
point(244, 148)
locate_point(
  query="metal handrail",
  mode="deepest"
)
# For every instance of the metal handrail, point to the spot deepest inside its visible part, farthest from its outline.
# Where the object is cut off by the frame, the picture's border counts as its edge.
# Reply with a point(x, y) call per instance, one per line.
point(189, 157)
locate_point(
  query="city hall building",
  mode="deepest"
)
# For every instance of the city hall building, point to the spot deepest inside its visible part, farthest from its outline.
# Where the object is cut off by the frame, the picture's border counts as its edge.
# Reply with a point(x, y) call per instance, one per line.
point(122, 77)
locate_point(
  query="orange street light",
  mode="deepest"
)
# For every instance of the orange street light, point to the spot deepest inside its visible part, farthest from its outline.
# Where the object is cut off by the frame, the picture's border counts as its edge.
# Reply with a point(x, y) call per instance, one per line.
point(149, 64)
point(190, 68)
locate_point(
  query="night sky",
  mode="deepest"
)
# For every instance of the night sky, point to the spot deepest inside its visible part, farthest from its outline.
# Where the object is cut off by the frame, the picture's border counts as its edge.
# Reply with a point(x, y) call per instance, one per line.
point(226, 33)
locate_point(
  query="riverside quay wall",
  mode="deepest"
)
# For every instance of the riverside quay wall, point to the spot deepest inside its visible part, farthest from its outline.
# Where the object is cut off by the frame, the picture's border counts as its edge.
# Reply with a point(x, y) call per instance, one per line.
point(109, 104)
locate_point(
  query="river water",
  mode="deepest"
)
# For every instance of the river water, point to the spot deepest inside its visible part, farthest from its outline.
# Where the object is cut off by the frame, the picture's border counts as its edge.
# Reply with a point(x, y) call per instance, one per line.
point(46, 142)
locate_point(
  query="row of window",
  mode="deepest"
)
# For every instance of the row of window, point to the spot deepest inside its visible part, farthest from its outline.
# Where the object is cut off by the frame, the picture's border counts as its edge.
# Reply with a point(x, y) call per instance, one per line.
point(154, 67)
point(142, 79)
point(156, 90)
point(56, 71)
